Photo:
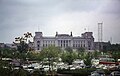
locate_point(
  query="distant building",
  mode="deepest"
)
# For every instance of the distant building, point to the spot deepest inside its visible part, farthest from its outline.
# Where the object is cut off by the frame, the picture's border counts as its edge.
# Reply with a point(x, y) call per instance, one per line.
point(2, 45)
point(10, 46)
point(101, 45)
point(64, 40)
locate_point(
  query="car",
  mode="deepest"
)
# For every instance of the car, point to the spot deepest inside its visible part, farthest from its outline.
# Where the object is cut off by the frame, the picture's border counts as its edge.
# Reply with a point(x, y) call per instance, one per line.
point(72, 68)
point(95, 74)
point(46, 67)
point(115, 73)
point(98, 72)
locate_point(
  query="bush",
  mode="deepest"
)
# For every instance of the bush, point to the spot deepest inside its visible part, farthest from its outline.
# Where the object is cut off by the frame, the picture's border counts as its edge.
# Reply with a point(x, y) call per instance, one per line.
point(19, 72)
point(80, 72)
point(38, 73)
point(77, 72)
point(4, 71)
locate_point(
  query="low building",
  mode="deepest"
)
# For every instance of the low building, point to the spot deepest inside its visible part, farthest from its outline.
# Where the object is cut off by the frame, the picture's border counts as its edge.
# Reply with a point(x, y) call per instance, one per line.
point(101, 45)
point(10, 46)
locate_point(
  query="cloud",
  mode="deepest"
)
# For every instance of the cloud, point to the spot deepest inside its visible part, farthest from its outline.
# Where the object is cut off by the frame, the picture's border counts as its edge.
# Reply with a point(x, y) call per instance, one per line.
point(64, 16)
point(111, 7)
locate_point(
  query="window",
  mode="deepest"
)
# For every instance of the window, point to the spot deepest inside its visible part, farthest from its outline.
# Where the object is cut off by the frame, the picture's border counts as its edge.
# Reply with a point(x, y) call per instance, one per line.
point(38, 41)
point(61, 45)
point(69, 41)
point(76, 45)
point(38, 45)
point(89, 48)
point(38, 49)
point(66, 45)
point(64, 41)
point(84, 45)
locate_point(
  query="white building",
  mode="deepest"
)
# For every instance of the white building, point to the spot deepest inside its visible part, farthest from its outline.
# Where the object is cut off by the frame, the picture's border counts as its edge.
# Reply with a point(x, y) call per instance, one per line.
point(64, 40)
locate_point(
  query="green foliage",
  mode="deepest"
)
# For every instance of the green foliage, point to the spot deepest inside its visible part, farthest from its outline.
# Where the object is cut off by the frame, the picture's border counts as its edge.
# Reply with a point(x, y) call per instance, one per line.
point(68, 57)
point(38, 73)
point(50, 52)
point(30, 56)
point(116, 55)
point(5, 71)
point(4, 63)
point(80, 72)
point(5, 52)
point(69, 49)
point(77, 72)
point(5, 68)
point(95, 54)
point(87, 59)
point(112, 47)
point(81, 49)
point(22, 47)
point(19, 72)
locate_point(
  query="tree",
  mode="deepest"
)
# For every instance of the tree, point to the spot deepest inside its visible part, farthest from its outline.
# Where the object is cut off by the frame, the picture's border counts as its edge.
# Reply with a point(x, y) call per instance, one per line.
point(6, 52)
point(69, 49)
point(111, 47)
point(88, 58)
point(95, 54)
point(19, 72)
point(21, 42)
point(22, 46)
point(51, 53)
point(68, 57)
point(116, 55)
point(81, 49)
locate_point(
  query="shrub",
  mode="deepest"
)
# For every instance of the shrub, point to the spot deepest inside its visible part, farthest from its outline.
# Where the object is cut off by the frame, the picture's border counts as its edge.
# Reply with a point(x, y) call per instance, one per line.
point(4, 71)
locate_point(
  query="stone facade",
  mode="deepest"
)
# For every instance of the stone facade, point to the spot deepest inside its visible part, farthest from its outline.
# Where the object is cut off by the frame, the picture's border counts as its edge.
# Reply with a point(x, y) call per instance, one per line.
point(64, 40)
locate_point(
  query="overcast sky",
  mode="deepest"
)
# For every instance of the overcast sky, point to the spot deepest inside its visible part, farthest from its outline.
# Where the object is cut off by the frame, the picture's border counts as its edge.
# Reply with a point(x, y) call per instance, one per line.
point(63, 16)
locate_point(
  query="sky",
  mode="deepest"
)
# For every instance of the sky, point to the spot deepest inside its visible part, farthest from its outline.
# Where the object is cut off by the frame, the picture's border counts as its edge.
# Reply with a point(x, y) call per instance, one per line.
point(48, 16)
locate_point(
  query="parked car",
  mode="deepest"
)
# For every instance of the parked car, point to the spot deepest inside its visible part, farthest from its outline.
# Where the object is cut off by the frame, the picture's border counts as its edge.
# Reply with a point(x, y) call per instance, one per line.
point(95, 74)
point(115, 73)
point(46, 67)
point(98, 72)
